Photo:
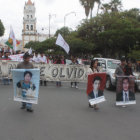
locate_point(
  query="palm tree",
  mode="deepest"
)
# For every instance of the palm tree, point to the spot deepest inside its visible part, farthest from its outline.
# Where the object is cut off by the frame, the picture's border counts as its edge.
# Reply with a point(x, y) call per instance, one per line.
point(99, 4)
point(86, 5)
point(89, 5)
point(115, 5)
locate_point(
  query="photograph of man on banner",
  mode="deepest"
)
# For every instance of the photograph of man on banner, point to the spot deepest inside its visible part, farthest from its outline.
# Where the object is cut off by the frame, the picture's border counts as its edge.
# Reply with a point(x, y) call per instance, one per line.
point(95, 88)
point(26, 85)
point(125, 94)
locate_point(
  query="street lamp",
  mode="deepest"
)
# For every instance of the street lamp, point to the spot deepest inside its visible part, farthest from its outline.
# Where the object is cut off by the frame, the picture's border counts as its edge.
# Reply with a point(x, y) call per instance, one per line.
point(65, 20)
point(50, 16)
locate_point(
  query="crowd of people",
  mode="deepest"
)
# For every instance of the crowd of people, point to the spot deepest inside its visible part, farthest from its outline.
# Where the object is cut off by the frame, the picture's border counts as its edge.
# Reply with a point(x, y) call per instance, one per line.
point(125, 68)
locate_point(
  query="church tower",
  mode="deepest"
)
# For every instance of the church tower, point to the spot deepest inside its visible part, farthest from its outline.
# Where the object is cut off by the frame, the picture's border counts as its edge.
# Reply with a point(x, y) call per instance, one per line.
point(29, 32)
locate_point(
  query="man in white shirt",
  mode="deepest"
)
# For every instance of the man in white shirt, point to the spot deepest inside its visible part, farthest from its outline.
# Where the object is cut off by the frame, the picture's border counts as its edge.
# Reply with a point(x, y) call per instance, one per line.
point(35, 58)
point(42, 58)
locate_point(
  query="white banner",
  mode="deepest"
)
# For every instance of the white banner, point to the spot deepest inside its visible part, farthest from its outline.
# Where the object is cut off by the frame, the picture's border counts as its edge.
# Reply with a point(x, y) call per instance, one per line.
point(50, 72)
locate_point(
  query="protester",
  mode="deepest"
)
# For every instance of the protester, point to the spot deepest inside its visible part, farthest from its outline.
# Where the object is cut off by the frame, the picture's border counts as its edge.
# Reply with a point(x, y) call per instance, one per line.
point(26, 65)
point(42, 60)
point(63, 60)
point(58, 61)
point(93, 69)
point(74, 62)
point(120, 69)
point(6, 56)
point(1, 54)
point(128, 69)
point(6, 80)
point(36, 58)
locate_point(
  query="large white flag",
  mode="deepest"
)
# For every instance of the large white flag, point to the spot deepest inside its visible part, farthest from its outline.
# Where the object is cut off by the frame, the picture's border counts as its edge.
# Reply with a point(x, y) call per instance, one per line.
point(62, 43)
point(12, 36)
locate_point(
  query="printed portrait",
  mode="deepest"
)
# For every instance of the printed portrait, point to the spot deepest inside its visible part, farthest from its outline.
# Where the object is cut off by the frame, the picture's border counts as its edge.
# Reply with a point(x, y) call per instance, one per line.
point(26, 85)
point(125, 89)
point(96, 85)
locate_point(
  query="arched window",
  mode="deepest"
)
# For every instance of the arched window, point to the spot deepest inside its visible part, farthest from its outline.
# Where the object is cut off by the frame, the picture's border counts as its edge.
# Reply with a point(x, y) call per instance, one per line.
point(31, 27)
point(27, 27)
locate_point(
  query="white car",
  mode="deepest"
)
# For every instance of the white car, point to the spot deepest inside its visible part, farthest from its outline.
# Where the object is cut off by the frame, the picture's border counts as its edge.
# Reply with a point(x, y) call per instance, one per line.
point(109, 66)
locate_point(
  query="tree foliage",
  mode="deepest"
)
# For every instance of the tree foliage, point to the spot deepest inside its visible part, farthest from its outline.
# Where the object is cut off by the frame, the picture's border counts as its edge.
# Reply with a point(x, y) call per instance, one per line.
point(113, 33)
point(2, 29)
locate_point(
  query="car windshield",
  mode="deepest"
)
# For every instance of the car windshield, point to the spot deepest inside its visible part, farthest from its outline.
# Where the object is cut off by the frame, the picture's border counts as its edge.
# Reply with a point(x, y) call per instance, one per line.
point(112, 64)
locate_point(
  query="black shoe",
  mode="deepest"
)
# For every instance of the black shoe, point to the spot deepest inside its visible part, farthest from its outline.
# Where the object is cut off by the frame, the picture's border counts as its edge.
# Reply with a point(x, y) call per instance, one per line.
point(30, 110)
point(90, 106)
point(45, 83)
point(23, 107)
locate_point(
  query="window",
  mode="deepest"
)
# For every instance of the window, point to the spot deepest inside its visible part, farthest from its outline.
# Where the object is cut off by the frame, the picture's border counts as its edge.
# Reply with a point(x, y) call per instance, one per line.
point(31, 16)
point(27, 27)
point(31, 27)
point(27, 16)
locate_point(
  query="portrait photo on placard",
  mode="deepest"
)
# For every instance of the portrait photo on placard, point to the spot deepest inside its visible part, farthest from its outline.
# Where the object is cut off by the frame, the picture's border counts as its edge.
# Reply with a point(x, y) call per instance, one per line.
point(95, 86)
point(26, 85)
point(125, 93)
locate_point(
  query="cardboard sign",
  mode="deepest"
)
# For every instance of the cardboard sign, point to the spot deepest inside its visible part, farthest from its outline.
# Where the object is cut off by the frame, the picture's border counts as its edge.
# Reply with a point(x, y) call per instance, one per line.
point(95, 88)
point(125, 93)
point(26, 85)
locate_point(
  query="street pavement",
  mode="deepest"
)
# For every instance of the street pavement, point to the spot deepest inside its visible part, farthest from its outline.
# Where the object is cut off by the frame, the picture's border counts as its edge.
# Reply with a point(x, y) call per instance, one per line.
point(63, 114)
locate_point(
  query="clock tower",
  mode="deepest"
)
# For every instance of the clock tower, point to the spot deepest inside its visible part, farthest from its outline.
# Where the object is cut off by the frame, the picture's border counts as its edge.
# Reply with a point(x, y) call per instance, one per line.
point(29, 32)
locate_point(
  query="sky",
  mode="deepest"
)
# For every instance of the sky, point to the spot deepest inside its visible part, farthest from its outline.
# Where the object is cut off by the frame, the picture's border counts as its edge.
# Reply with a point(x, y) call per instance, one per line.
point(11, 14)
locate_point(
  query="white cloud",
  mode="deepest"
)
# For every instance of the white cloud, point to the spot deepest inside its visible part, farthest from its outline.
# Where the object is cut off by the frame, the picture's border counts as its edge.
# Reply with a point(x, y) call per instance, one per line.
point(11, 13)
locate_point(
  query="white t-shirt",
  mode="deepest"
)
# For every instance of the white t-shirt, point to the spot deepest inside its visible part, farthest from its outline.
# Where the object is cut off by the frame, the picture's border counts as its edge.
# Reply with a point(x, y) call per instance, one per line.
point(42, 59)
point(36, 59)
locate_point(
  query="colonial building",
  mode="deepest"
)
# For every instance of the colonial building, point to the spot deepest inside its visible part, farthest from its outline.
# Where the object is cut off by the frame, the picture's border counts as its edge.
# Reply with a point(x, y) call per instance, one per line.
point(29, 32)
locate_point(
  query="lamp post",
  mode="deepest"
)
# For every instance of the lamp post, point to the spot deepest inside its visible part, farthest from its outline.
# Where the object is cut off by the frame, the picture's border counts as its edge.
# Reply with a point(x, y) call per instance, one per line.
point(50, 16)
point(65, 20)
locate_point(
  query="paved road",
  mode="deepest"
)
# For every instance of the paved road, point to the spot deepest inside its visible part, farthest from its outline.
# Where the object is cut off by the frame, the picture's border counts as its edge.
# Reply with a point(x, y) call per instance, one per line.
point(63, 114)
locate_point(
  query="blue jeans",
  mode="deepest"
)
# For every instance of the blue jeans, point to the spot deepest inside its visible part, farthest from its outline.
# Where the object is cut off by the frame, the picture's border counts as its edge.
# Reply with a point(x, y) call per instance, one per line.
point(6, 81)
point(27, 105)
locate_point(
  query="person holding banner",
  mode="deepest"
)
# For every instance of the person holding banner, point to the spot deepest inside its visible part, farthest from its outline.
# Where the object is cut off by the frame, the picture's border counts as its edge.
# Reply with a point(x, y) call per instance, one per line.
point(43, 60)
point(74, 62)
point(93, 69)
point(120, 69)
point(128, 69)
point(26, 65)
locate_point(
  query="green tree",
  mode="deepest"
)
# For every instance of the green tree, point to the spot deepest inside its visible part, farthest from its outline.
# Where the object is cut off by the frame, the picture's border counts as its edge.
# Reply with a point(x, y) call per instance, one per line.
point(111, 32)
point(64, 31)
point(2, 29)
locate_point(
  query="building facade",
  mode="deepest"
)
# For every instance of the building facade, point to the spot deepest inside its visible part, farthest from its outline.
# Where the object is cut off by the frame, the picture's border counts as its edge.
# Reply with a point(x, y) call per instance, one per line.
point(29, 32)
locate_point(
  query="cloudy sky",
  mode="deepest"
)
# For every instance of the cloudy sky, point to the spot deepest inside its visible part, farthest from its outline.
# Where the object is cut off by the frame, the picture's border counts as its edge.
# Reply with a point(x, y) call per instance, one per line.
point(11, 13)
